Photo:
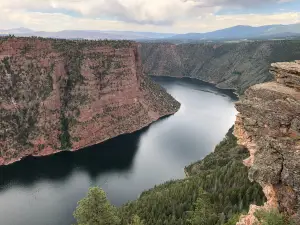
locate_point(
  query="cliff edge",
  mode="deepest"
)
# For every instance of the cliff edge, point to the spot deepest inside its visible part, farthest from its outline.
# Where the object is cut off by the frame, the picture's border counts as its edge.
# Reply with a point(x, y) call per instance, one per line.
point(66, 95)
point(236, 65)
point(268, 124)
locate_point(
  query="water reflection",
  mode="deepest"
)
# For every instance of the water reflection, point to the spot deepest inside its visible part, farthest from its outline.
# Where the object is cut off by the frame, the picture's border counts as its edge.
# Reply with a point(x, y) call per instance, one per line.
point(44, 191)
point(113, 155)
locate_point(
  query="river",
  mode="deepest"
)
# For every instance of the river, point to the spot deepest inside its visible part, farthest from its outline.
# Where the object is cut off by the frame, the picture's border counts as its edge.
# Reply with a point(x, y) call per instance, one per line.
point(44, 191)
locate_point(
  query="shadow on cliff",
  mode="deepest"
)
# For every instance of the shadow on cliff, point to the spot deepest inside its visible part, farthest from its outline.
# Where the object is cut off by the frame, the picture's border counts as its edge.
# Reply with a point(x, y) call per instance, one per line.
point(116, 154)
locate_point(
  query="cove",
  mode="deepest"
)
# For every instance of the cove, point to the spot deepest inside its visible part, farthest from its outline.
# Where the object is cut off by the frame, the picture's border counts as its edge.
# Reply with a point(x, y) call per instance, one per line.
point(44, 191)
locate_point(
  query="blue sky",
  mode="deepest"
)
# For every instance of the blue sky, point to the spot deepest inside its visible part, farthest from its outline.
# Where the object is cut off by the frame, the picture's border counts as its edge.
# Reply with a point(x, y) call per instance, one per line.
point(293, 6)
point(179, 16)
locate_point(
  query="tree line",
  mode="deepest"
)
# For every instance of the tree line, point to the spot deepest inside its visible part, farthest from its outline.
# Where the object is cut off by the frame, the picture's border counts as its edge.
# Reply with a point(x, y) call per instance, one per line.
point(216, 192)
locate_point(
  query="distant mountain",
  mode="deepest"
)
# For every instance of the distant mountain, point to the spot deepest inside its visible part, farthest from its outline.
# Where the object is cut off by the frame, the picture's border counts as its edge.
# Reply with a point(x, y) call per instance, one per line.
point(231, 33)
point(244, 32)
point(89, 34)
point(280, 29)
point(236, 65)
point(20, 30)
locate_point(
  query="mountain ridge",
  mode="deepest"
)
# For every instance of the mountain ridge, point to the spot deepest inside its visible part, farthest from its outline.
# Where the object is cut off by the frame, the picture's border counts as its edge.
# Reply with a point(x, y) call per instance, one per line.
point(87, 34)
point(227, 65)
point(235, 32)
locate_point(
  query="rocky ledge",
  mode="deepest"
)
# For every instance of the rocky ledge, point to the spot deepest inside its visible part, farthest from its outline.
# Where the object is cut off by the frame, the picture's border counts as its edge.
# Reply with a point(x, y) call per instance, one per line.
point(268, 124)
point(58, 95)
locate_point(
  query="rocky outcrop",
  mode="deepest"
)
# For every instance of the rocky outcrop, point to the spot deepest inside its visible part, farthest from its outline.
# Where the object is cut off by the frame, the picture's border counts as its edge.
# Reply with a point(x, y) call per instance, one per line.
point(65, 95)
point(268, 124)
point(287, 74)
point(228, 65)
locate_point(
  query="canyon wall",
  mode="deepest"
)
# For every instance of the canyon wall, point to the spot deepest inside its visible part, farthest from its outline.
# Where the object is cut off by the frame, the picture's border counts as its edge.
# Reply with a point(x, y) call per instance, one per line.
point(228, 65)
point(268, 124)
point(66, 95)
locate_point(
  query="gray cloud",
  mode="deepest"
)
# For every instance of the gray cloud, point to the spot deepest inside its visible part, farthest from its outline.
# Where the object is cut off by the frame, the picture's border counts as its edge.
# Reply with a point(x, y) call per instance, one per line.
point(135, 11)
point(240, 3)
point(162, 12)
point(156, 12)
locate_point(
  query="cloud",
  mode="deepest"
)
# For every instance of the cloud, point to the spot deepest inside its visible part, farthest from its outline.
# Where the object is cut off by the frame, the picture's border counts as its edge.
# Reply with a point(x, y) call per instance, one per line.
point(136, 11)
point(241, 3)
point(154, 15)
point(284, 1)
point(58, 21)
point(215, 22)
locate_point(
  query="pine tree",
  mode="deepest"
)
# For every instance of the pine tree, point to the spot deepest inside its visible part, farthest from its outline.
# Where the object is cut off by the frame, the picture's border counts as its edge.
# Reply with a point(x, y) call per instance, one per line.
point(95, 209)
point(204, 211)
point(136, 220)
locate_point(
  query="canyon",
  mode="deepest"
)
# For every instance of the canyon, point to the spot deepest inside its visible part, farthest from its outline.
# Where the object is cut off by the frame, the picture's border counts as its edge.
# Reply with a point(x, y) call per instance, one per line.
point(31, 191)
point(58, 95)
point(233, 65)
point(65, 95)
point(268, 124)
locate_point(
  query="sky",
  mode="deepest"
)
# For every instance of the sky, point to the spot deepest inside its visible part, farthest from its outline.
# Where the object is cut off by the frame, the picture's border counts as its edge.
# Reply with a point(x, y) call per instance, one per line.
point(173, 16)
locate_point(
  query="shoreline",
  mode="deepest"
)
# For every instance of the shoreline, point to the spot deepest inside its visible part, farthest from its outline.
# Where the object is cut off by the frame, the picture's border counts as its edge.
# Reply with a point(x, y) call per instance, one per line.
point(16, 160)
point(233, 90)
point(5, 163)
point(210, 83)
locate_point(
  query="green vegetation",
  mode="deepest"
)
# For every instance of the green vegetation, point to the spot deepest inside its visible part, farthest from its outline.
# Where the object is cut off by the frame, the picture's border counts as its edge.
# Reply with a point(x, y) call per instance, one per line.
point(102, 68)
point(204, 212)
point(73, 68)
point(73, 56)
point(136, 220)
point(229, 65)
point(6, 64)
point(67, 45)
point(22, 87)
point(220, 181)
point(74, 52)
point(26, 49)
point(272, 217)
point(284, 51)
point(94, 209)
point(234, 219)
point(65, 139)
point(27, 81)
point(237, 73)
point(216, 191)
point(41, 147)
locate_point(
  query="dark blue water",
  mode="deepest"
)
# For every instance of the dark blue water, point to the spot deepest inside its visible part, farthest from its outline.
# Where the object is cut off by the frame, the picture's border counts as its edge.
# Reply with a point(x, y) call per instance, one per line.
point(44, 191)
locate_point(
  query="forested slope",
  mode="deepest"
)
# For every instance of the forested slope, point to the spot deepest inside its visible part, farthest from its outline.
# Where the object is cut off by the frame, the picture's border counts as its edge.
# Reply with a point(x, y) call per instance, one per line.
point(216, 189)
point(216, 192)
point(229, 65)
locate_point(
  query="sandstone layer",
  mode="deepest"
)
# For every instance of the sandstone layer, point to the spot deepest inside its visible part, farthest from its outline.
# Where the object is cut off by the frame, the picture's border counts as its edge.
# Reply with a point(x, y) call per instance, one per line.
point(236, 65)
point(268, 124)
point(60, 95)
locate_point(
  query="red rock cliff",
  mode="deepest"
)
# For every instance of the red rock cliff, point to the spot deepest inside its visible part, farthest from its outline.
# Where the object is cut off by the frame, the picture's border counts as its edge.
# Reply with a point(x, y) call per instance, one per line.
point(65, 95)
point(269, 126)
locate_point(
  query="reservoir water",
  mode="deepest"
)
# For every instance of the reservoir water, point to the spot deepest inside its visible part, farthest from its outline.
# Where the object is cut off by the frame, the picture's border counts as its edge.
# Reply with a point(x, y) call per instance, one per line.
point(44, 191)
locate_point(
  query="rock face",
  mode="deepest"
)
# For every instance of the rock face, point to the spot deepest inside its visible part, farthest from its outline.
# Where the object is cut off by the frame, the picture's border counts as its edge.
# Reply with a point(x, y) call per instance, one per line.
point(268, 124)
point(228, 65)
point(65, 95)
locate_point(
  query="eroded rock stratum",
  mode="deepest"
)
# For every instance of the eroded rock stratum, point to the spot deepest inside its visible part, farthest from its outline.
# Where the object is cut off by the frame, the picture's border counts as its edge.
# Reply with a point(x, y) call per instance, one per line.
point(228, 65)
point(65, 95)
point(268, 124)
